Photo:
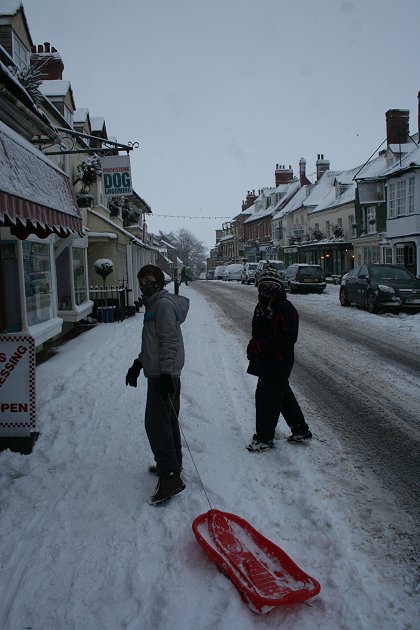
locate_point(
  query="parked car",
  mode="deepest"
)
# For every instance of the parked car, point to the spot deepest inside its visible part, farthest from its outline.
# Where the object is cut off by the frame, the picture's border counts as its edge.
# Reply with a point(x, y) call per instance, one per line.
point(210, 275)
point(277, 264)
point(304, 278)
point(219, 271)
point(203, 275)
point(233, 272)
point(380, 286)
point(248, 273)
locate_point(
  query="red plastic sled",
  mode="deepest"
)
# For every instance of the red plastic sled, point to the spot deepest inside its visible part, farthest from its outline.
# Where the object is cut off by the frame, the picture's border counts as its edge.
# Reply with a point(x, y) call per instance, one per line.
point(263, 573)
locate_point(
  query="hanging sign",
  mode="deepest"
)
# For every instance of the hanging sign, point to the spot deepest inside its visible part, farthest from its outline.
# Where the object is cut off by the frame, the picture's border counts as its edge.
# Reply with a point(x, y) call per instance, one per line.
point(17, 385)
point(116, 175)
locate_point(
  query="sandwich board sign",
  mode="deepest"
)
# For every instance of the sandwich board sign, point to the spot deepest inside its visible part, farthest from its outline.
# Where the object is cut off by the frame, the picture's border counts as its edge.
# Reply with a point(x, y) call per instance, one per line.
point(17, 385)
point(116, 175)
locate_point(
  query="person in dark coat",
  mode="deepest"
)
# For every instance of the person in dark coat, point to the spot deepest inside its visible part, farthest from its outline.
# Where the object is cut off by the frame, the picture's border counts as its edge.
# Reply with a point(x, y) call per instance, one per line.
point(184, 276)
point(275, 327)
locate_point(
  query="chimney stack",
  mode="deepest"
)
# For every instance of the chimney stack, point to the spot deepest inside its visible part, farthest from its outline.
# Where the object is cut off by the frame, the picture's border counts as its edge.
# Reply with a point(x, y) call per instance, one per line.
point(283, 175)
point(397, 123)
point(47, 58)
point(322, 166)
point(302, 172)
point(250, 199)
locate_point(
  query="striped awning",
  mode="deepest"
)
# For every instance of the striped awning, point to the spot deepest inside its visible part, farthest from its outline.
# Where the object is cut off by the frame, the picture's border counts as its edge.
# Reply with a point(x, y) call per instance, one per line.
point(36, 197)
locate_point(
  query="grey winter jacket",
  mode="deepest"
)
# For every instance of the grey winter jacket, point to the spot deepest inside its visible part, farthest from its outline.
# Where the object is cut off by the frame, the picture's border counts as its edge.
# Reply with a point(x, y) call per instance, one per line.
point(162, 347)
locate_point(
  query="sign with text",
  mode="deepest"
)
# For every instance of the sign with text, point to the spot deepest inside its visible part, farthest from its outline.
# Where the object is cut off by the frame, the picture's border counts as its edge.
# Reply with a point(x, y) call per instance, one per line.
point(116, 175)
point(17, 385)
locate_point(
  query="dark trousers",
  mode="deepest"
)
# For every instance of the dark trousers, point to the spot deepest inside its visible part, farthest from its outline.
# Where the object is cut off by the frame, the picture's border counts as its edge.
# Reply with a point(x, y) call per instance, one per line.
point(272, 398)
point(162, 427)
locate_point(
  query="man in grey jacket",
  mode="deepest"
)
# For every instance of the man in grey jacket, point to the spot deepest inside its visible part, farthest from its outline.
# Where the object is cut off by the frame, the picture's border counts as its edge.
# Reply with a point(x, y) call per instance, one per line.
point(162, 359)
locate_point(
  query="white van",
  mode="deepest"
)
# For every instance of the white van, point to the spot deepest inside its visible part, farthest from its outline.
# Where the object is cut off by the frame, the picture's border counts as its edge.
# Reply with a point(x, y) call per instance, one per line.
point(219, 271)
point(233, 272)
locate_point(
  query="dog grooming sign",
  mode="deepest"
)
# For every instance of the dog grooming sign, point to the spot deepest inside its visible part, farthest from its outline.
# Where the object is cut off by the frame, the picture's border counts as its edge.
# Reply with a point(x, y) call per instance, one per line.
point(116, 176)
point(17, 385)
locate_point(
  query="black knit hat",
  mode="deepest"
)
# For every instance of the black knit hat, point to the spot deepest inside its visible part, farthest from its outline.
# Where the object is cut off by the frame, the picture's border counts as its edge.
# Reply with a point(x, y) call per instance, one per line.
point(270, 275)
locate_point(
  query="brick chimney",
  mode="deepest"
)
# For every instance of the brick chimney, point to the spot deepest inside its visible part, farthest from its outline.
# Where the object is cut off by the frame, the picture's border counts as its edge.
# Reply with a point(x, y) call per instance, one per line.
point(46, 58)
point(304, 181)
point(283, 175)
point(397, 125)
point(321, 166)
point(250, 199)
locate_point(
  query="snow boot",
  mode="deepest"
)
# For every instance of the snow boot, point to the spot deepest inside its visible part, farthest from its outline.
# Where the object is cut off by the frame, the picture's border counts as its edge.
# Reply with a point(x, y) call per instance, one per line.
point(300, 437)
point(256, 446)
point(167, 487)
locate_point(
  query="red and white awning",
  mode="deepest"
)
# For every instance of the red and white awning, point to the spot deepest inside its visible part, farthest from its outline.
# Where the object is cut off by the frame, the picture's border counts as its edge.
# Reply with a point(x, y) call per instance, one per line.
point(36, 197)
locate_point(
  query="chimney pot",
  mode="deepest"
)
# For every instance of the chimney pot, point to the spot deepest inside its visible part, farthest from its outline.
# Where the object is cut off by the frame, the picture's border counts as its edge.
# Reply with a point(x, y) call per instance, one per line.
point(47, 47)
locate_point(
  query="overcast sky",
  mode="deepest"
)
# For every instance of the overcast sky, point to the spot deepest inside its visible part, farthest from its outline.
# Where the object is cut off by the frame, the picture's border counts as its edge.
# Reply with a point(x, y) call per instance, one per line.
point(217, 93)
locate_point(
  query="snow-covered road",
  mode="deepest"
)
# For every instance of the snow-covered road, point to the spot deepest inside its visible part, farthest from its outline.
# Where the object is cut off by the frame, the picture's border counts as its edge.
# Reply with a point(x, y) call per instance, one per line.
point(80, 548)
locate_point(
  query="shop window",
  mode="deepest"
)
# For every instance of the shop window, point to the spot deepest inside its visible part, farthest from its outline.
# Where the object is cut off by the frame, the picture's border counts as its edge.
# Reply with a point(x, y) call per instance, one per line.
point(38, 290)
point(62, 263)
point(10, 306)
point(79, 275)
point(387, 255)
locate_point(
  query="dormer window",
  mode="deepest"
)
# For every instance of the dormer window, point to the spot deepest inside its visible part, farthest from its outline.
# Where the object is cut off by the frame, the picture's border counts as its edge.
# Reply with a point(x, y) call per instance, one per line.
point(67, 115)
point(20, 53)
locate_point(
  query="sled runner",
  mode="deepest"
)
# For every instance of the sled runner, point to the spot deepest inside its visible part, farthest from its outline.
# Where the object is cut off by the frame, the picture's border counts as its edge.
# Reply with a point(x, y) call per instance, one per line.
point(263, 573)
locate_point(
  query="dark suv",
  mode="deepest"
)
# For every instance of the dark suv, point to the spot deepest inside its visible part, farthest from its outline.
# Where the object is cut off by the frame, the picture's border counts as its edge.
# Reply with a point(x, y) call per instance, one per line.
point(379, 287)
point(278, 265)
point(304, 278)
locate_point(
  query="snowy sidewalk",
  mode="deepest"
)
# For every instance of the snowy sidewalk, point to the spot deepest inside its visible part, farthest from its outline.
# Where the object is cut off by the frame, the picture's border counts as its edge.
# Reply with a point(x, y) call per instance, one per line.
point(82, 550)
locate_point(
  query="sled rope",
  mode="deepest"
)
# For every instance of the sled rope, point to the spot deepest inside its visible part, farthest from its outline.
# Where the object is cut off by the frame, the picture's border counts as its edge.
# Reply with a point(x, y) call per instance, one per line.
point(191, 455)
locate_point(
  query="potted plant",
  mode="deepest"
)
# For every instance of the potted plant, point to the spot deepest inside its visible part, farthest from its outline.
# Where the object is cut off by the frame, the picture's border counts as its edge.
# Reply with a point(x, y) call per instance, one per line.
point(83, 198)
point(103, 267)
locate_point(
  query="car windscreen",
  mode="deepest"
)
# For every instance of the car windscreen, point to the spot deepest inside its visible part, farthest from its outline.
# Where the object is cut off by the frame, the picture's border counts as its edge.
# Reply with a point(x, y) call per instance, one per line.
point(381, 272)
point(311, 272)
point(252, 265)
point(278, 265)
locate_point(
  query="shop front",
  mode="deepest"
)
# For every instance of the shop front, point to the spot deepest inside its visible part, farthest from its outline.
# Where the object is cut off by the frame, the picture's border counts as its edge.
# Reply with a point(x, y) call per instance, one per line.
point(43, 280)
point(335, 257)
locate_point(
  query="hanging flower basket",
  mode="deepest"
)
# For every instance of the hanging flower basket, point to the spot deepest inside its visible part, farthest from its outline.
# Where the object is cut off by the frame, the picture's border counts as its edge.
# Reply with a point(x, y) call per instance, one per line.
point(89, 170)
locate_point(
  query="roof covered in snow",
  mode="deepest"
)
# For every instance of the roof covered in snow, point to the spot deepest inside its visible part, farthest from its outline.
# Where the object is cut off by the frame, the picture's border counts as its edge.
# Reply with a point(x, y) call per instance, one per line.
point(55, 88)
point(9, 7)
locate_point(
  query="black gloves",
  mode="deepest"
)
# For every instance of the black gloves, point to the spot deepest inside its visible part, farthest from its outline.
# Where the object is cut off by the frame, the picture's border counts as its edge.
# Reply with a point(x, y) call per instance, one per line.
point(133, 373)
point(166, 385)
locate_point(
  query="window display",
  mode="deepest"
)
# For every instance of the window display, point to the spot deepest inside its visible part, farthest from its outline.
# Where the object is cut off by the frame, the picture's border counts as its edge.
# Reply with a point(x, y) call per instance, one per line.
point(79, 275)
point(38, 289)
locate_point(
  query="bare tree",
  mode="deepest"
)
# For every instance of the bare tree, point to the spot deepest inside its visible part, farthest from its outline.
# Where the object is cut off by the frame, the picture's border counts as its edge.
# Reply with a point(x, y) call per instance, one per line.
point(189, 248)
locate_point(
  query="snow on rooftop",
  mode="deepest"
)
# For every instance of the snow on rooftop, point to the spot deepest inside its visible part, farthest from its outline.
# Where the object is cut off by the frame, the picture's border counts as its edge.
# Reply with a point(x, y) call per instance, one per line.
point(97, 123)
point(55, 88)
point(80, 115)
point(9, 7)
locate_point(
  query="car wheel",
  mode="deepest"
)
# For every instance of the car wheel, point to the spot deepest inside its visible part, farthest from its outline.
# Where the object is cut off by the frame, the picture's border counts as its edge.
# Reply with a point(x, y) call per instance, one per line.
point(343, 297)
point(372, 302)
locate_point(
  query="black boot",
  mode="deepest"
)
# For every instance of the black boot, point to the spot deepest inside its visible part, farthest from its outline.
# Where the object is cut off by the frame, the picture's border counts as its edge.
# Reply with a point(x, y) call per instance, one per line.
point(166, 488)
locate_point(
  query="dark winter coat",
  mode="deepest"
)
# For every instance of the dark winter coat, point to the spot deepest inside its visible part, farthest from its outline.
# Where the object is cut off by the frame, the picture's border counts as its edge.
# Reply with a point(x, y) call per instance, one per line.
point(275, 327)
